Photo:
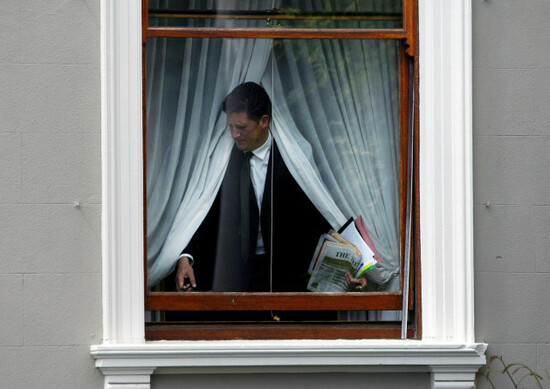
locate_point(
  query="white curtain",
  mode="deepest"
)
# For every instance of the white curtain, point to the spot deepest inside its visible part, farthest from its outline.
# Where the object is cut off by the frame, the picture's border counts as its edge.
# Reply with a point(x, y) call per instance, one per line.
point(187, 147)
point(344, 106)
point(346, 121)
point(335, 118)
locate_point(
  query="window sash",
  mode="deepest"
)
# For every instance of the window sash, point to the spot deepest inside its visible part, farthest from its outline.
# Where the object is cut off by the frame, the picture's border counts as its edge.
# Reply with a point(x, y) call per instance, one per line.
point(210, 301)
point(274, 16)
point(229, 301)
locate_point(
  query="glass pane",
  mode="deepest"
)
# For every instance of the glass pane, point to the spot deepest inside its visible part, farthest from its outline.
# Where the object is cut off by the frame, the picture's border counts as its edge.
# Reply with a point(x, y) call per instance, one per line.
point(277, 13)
point(339, 101)
point(322, 118)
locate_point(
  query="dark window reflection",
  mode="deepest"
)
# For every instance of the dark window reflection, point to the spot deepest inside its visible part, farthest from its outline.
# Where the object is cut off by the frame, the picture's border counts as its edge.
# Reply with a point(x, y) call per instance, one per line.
point(278, 13)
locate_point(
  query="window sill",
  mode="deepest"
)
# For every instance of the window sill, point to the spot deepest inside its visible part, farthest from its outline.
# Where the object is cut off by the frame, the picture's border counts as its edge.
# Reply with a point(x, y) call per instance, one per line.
point(133, 364)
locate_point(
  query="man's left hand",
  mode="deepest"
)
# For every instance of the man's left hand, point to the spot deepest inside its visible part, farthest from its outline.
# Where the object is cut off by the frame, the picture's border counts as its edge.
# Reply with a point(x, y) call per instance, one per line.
point(355, 284)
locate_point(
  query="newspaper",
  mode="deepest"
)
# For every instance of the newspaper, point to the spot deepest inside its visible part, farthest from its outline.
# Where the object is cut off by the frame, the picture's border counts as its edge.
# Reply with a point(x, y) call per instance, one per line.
point(330, 265)
point(368, 261)
point(337, 253)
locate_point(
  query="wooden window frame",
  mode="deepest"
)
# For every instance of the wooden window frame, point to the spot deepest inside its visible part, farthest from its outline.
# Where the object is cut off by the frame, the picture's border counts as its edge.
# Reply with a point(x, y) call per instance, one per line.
point(159, 301)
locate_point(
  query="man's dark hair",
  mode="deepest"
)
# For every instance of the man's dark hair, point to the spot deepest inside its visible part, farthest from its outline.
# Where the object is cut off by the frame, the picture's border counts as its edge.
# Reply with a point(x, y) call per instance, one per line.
point(248, 97)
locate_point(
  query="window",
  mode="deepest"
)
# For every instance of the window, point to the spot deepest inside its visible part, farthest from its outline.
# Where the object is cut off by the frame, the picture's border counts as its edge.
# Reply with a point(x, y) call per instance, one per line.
point(447, 349)
point(340, 76)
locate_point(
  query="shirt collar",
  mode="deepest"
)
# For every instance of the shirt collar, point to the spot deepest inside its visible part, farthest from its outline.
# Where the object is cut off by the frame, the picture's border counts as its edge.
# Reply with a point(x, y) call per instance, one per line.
point(263, 151)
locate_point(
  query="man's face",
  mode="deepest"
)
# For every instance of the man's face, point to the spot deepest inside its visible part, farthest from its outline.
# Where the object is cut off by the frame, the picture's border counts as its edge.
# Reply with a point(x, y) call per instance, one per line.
point(247, 133)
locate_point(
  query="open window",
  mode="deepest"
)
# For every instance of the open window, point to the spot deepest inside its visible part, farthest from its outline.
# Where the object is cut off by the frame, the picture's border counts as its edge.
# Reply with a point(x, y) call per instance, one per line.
point(446, 349)
point(342, 80)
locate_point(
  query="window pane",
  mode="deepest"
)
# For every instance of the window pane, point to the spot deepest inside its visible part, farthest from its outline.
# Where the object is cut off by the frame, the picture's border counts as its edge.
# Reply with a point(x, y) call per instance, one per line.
point(277, 13)
point(340, 99)
point(332, 153)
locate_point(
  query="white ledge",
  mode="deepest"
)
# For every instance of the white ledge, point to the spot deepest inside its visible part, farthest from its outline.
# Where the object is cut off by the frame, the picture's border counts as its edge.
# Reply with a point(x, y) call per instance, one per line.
point(450, 365)
point(306, 355)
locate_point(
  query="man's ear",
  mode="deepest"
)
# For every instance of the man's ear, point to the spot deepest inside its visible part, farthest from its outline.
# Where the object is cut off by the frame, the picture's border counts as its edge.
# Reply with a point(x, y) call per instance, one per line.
point(264, 121)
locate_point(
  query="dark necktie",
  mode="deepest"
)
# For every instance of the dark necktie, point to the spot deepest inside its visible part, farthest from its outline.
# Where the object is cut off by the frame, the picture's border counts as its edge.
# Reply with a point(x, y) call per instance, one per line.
point(249, 211)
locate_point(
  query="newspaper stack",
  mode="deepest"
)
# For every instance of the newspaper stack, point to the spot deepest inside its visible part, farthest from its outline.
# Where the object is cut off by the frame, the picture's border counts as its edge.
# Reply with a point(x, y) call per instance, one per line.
point(352, 250)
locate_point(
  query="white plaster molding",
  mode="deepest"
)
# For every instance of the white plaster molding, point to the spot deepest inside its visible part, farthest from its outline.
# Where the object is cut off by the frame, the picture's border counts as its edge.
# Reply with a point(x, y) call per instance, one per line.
point(447, 348)
point(446, 199)
point(453, 377)
point(122, 176)
point(127, 377)
point(448, 363)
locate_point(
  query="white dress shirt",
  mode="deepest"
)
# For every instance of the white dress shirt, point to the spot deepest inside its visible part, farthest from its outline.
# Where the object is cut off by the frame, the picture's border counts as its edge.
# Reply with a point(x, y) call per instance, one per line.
point(258, 173)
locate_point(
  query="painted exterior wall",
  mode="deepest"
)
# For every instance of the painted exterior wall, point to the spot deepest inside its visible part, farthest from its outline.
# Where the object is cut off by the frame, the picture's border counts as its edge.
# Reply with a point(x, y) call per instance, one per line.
point(511, 59)
point(50, 250)
point(50, 247)
point(294, 381)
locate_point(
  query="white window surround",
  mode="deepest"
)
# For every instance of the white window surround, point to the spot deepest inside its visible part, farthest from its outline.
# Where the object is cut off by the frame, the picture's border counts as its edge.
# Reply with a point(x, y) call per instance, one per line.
point(447, 350)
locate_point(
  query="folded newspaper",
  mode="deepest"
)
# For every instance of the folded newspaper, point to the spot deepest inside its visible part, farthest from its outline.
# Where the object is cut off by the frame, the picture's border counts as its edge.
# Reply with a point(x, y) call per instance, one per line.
point(333, 258)
point(356, 232)
point(336, 254)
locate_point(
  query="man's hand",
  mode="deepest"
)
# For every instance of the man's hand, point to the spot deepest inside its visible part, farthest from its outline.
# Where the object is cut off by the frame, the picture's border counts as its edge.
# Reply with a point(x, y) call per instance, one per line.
point(355, 284)
point(185, 276)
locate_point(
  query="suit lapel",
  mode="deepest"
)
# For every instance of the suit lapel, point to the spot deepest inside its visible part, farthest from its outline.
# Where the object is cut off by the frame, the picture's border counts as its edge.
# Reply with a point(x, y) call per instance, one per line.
point(276, 169)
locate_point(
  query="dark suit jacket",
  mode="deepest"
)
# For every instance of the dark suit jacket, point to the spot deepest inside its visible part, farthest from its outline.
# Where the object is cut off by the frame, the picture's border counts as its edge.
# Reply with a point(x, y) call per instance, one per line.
point(296, 227)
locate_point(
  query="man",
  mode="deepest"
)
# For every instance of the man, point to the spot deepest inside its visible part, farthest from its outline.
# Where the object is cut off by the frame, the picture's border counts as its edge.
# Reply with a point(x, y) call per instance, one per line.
point(264, 225)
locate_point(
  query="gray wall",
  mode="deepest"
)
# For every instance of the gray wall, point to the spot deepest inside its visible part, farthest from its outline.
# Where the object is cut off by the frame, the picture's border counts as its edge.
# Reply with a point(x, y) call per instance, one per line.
point(50, 250)
point(512, 172)
point(50, 259)
point(294, 381)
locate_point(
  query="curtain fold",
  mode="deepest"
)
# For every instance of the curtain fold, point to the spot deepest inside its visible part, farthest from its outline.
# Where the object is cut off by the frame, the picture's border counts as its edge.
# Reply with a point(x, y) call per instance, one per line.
point(187, 145)
point(336, 119)
point(339, 100)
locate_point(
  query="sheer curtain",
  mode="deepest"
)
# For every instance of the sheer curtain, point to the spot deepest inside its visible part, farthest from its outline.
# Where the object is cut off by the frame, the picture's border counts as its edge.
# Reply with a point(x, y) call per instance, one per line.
point(343, 105)
point(336, 116)
point(187, 147)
